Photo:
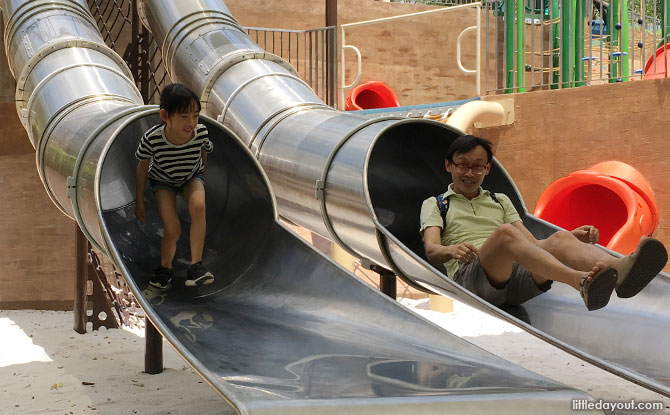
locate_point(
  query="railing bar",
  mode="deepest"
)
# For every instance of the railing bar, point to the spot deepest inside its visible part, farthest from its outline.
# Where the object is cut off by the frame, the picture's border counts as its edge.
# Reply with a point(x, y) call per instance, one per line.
point(311, 63)
point(323, 65)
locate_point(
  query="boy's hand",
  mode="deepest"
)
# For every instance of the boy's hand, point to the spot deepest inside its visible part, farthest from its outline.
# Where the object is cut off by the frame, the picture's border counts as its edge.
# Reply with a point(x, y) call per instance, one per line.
point(140, 212)
point(587, 234)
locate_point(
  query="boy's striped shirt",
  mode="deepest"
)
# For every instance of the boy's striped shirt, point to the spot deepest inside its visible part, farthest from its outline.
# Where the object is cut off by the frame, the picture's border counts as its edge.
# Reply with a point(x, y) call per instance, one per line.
point(170, 163)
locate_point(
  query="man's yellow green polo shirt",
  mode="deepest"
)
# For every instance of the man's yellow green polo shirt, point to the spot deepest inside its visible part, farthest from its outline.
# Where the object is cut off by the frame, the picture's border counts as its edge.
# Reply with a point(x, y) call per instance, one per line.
point(468, 220)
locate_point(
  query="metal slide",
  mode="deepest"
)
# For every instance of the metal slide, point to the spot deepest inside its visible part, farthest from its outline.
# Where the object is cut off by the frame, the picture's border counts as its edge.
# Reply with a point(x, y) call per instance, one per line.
point(360, 182)
point(283, 330)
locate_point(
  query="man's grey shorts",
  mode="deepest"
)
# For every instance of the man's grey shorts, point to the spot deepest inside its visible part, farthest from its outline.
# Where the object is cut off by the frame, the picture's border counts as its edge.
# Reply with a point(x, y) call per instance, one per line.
point(520, 288)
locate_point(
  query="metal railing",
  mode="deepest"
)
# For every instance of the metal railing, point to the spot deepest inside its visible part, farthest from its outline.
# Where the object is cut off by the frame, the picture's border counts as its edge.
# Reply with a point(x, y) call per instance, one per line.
point(120, 26)
point(477, 28)
point(311, 52)
point(436, 2)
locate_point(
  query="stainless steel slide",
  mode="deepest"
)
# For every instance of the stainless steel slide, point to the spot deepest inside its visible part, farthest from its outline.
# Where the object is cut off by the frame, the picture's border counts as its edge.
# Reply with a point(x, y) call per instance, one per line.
point(283, 330)
point(360, 182)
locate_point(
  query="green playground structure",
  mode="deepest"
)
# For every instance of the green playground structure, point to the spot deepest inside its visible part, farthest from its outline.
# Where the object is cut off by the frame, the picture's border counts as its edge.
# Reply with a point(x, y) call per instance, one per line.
point(567, 21)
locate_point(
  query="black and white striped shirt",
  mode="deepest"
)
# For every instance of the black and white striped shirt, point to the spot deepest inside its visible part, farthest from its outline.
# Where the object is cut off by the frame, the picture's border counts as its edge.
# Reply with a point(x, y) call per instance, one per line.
point(170, 163)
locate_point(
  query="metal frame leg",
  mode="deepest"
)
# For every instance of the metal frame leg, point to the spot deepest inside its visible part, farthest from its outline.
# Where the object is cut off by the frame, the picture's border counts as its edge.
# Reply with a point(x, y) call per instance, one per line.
point(153, 353)
point(387, 280)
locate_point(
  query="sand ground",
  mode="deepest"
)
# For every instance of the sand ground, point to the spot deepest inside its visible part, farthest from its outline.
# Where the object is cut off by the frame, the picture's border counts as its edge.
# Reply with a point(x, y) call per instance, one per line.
point(47, 368)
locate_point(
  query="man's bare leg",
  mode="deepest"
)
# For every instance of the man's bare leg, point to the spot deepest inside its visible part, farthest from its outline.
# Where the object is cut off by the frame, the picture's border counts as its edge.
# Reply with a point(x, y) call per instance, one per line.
point(565, 247)
point(635, 271)
point(508, 245)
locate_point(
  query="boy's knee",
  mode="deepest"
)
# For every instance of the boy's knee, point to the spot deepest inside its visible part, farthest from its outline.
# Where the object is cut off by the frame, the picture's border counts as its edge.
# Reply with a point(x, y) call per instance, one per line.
point(197, 208)
point(172, 232)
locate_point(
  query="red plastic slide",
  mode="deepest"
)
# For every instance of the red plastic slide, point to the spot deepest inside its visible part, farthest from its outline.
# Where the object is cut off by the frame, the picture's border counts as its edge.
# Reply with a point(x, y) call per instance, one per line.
point(369, 95)
point(613, 196)
point(658, 70)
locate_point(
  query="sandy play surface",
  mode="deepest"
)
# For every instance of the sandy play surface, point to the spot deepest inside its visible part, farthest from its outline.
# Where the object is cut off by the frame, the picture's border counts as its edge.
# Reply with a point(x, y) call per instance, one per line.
point(47, 368)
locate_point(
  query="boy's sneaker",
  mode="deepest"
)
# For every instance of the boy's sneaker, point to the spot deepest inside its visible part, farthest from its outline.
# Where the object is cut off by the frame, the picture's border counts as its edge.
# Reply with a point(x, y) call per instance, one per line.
point(198, 275)
point(162, 278)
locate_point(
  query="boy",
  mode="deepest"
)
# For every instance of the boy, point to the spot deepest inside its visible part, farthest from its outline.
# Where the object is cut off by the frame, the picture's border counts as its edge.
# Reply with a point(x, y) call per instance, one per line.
point(489, 251)
point(173, 155)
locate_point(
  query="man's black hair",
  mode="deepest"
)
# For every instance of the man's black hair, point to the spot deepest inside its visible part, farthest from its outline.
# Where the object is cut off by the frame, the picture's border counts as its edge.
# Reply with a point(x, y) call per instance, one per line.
point(177, 98)
point(466, 143)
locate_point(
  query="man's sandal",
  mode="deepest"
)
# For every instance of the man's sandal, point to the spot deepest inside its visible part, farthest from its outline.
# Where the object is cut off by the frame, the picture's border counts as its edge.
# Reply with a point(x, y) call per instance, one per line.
point(639, 268)
point(597, 292)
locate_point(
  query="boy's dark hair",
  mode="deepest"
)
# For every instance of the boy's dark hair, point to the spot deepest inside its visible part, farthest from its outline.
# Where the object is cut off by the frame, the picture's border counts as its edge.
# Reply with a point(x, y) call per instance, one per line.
point(465, 143)
point(177, 98)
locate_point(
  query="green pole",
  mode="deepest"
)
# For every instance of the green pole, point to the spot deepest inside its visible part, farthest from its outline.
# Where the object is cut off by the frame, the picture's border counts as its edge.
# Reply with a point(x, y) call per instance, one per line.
point(664, 21)
point(555, 14)
point(578, 71)
point(625, 42)
point(520, 47)
point(566, 18)
point(614, 38)
point(509, 46)
point(665, 16)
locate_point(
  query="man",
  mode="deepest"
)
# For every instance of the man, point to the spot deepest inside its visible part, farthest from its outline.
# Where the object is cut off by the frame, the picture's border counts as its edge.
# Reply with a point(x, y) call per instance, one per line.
point(487, 249)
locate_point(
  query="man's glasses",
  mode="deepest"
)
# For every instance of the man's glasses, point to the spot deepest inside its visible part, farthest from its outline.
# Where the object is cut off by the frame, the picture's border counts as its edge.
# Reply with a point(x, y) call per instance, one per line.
point(476, 168)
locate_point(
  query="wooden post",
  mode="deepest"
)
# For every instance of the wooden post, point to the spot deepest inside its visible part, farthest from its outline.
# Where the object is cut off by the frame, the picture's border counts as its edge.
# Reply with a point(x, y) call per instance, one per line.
point(387, 284)
point(331, 58)
point(153, 353)
point(331, 12)
point(80, 281)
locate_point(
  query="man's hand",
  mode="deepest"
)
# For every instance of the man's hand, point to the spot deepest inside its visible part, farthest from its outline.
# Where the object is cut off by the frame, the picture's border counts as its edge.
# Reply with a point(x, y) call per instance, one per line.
point(587, 234)
point(140, 212)
point(464, 252)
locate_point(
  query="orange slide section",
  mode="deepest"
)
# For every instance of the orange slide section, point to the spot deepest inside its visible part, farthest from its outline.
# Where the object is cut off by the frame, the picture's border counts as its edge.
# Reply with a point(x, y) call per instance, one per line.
point(370, 95)
point(613, 196)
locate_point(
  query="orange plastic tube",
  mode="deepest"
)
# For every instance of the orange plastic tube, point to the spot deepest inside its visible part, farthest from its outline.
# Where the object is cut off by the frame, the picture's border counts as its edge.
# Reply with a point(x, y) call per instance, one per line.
point(613, 196)
point(369, 95)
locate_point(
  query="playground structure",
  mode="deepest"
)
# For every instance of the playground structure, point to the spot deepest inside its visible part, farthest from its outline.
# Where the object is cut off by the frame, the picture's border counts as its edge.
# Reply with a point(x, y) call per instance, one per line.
point(551, 44)
point(565, 43)
point(84, 132)
point(364, 220)
point(384, 213)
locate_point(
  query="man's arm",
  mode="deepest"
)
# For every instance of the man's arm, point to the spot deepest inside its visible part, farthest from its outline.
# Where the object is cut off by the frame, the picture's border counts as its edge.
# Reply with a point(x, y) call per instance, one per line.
point(140, 179)
point(436, 253)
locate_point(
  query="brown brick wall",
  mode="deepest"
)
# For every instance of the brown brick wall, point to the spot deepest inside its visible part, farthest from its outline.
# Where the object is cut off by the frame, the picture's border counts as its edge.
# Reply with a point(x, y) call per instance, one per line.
point(7, 84)
point(37, 240)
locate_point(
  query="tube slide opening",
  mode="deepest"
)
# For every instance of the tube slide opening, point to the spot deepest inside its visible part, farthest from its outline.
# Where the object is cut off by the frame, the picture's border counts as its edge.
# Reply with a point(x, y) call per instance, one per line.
point(239, 208)
point(406, 166)
point(597, 204)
